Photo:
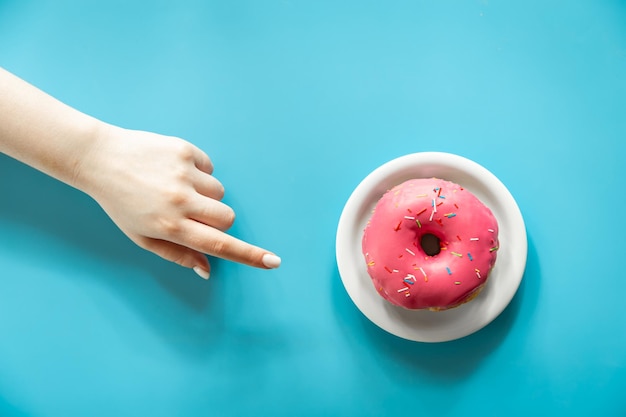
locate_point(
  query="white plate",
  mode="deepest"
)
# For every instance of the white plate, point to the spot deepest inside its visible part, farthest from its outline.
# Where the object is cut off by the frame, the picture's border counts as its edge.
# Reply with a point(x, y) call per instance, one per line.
point(420, 325)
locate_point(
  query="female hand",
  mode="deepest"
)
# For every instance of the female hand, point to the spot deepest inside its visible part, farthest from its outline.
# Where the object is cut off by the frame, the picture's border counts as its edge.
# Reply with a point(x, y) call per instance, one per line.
point(157, 189)
point(160, 192)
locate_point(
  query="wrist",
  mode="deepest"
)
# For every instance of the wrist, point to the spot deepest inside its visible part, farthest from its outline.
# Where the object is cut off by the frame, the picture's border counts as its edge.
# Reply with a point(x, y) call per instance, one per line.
point(84, 159)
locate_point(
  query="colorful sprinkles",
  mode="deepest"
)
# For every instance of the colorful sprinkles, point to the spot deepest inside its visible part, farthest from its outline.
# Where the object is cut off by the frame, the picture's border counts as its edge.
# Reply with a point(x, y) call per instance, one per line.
point(436, 215)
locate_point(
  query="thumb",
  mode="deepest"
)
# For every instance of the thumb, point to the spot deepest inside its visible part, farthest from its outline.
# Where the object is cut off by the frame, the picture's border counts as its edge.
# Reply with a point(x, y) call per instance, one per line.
point(178, 254)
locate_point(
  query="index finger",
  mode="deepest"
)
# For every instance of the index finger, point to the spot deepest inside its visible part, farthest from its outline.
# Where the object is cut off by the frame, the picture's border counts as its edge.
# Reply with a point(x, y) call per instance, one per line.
point(216, 243)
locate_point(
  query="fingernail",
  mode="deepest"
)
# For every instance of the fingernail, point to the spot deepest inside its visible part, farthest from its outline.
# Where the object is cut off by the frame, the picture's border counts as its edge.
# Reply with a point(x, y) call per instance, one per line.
point(271, 261)
point(204, 274)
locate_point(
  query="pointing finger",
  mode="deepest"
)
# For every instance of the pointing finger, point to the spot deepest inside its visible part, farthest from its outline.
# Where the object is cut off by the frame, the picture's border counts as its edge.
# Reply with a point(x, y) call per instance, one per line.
point(211, 241)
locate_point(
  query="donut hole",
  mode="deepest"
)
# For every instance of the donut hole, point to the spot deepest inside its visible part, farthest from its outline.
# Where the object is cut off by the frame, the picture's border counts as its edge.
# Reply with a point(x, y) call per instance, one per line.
point(431, 244)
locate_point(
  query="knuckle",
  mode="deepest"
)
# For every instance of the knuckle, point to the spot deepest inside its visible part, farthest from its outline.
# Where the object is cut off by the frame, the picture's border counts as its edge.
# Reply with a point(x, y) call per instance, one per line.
point(218, 248)
point(178, 258)
point(177, 197)
point(229, 217)
point(170, 227)
point(217, 215)
point(185, 151)
point(183, 175)
point(219, 192)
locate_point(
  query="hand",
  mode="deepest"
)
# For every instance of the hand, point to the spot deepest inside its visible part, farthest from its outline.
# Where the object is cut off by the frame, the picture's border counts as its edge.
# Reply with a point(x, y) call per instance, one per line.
point(160, 192)
point(158, 189)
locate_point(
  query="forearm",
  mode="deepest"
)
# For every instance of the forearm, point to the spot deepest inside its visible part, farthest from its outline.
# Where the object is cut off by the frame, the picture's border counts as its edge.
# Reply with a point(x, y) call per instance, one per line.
point(42, 132)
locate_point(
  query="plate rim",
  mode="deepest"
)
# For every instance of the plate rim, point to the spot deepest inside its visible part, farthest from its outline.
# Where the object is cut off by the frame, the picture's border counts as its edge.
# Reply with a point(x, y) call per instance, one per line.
point(356, 203)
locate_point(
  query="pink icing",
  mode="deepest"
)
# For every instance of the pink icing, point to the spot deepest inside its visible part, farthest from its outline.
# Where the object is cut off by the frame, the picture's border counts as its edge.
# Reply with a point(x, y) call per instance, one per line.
point(400, 269)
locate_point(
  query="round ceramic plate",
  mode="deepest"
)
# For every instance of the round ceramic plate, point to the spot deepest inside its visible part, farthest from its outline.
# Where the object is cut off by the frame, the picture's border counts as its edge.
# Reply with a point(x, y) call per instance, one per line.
point(423, 325)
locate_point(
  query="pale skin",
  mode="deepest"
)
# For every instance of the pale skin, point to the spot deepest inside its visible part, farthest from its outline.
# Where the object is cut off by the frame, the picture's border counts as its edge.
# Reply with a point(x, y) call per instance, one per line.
point(159, 190)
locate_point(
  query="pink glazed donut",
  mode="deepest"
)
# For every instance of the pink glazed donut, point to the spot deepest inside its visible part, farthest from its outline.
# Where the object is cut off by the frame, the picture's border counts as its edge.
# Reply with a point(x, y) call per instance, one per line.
point(430, 244)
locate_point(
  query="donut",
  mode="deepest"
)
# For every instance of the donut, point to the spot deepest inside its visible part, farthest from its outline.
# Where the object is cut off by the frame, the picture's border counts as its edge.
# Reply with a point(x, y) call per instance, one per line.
point(430, 244)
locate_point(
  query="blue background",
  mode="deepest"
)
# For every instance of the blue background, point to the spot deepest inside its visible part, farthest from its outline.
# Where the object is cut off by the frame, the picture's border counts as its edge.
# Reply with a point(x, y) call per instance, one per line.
point(296, 102)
